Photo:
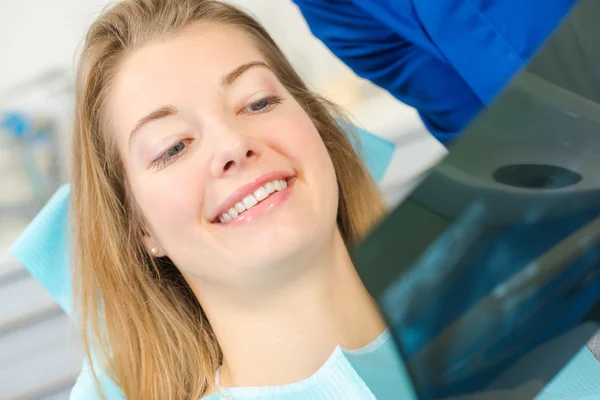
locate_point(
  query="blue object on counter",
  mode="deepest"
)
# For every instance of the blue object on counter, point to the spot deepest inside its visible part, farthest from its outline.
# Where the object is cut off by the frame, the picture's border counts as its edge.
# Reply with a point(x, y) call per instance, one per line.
point(16, 123)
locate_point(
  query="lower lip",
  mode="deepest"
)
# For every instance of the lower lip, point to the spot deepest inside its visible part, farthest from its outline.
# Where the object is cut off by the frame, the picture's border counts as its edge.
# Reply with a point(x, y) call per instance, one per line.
point(262, 208)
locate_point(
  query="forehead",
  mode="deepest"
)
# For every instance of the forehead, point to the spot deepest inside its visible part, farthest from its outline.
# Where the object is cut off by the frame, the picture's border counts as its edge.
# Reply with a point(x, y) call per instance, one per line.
point(200, 48)
point(177, 68)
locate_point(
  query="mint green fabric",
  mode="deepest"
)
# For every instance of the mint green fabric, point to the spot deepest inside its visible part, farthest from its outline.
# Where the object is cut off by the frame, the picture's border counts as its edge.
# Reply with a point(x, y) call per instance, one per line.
point(580, 379)
point(44, 248)
point(373, 372)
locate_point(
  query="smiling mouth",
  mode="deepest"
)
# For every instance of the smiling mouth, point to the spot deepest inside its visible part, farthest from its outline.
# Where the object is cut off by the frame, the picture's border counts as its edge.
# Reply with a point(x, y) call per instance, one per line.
point(247, 203)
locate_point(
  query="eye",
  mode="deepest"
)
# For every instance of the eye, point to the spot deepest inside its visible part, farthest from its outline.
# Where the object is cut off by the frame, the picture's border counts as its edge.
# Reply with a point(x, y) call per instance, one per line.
point(178, 148)
point(262, 105)
point(171, 154)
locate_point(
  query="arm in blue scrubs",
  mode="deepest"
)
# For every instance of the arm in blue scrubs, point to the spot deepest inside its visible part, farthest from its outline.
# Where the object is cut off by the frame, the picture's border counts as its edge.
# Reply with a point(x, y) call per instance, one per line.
point(446, 58)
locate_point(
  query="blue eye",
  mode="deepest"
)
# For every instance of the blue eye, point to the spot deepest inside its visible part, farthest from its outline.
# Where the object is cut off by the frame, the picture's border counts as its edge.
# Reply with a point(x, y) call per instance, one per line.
point(262, 105)
point(178, 148)
point(171, 154)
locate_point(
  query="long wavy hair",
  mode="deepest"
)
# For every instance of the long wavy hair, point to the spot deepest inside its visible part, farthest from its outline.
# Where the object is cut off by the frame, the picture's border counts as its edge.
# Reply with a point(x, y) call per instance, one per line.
point(141, 323)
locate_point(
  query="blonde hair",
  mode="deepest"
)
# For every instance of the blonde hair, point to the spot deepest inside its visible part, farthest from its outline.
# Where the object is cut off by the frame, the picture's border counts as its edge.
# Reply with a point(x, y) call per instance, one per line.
point(139, 318)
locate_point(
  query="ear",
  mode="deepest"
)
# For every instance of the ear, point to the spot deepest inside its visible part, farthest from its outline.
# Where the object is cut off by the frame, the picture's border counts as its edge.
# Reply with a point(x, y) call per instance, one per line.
point(152, 247)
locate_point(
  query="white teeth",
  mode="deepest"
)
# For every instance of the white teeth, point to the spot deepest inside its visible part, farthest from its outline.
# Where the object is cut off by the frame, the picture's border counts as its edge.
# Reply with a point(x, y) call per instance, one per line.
point(249, 201)
point(240, 207)
point(270, 188)
point(261, 194)
point(280, 184)
point(252, 199)
point(224, 218)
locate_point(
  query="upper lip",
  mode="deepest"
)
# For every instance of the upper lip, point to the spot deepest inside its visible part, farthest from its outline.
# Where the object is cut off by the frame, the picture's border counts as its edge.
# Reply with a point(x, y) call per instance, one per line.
point(247, 189)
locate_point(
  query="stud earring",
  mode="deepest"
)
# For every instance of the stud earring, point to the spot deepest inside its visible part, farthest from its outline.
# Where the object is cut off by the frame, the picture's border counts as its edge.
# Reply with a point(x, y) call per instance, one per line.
point(154, 251)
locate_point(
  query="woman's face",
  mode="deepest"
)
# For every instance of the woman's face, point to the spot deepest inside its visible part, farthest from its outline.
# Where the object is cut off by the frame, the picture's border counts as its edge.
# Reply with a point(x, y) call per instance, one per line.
point(210, 138)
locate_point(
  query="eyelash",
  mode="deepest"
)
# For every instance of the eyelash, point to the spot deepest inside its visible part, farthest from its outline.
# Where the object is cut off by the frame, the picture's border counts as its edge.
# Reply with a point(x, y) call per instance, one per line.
point(166, 159)
point(267, 104)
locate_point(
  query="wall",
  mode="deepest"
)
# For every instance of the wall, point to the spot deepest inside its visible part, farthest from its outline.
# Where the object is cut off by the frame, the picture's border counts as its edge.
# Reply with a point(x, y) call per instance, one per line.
point(40, 35)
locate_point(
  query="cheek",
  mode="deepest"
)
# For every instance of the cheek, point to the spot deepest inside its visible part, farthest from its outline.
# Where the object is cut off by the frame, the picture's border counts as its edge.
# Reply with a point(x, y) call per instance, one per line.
point(170, 203)
point(300, 140)
point(303, 144)
point(317, 160)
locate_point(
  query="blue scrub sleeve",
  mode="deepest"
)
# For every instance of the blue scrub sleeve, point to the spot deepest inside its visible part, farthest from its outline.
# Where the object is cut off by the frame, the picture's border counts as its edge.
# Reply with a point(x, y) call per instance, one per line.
point(378, 53)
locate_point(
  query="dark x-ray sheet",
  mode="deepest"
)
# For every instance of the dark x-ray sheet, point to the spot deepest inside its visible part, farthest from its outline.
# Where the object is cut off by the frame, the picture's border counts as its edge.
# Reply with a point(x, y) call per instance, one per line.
point(489, 273)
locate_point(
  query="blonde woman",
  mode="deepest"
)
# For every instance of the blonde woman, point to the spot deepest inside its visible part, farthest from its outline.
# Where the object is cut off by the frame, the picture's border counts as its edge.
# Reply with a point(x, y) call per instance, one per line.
point(214, 200)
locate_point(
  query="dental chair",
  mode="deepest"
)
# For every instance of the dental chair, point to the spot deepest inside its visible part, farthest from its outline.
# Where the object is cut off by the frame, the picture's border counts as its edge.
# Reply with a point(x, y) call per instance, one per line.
point(45, 251)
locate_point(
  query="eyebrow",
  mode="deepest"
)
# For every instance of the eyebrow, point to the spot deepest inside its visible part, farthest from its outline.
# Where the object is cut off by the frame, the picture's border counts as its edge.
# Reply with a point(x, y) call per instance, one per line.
point(162, 112)
point(170, 110)
point(230, 77)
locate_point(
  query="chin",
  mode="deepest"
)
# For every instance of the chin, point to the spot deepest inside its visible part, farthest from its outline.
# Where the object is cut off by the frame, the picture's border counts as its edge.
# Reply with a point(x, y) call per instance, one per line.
point(275, 249)
point(281, 248)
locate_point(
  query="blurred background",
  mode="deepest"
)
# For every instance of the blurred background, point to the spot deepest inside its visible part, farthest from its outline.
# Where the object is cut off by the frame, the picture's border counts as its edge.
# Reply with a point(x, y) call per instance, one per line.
point(39, 354)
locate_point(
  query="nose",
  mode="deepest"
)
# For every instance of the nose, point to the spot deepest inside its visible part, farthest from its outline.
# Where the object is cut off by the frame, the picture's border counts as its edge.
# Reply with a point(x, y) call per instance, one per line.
point(233, 151)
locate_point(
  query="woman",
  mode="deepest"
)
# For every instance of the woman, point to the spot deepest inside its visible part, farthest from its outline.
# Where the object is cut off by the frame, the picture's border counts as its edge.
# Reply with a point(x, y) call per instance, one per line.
point(214, 197)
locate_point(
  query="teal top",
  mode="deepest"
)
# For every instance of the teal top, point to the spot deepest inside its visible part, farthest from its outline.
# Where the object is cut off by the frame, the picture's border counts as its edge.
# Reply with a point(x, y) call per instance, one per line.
point(376, 372)
point(372, 372)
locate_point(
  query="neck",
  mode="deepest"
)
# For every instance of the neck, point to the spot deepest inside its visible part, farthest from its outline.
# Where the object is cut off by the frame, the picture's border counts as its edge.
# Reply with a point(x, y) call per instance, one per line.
point(286, 335)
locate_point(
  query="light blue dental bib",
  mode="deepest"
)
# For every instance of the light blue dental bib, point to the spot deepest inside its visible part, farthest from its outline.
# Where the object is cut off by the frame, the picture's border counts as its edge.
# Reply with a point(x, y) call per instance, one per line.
point(373, 372)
